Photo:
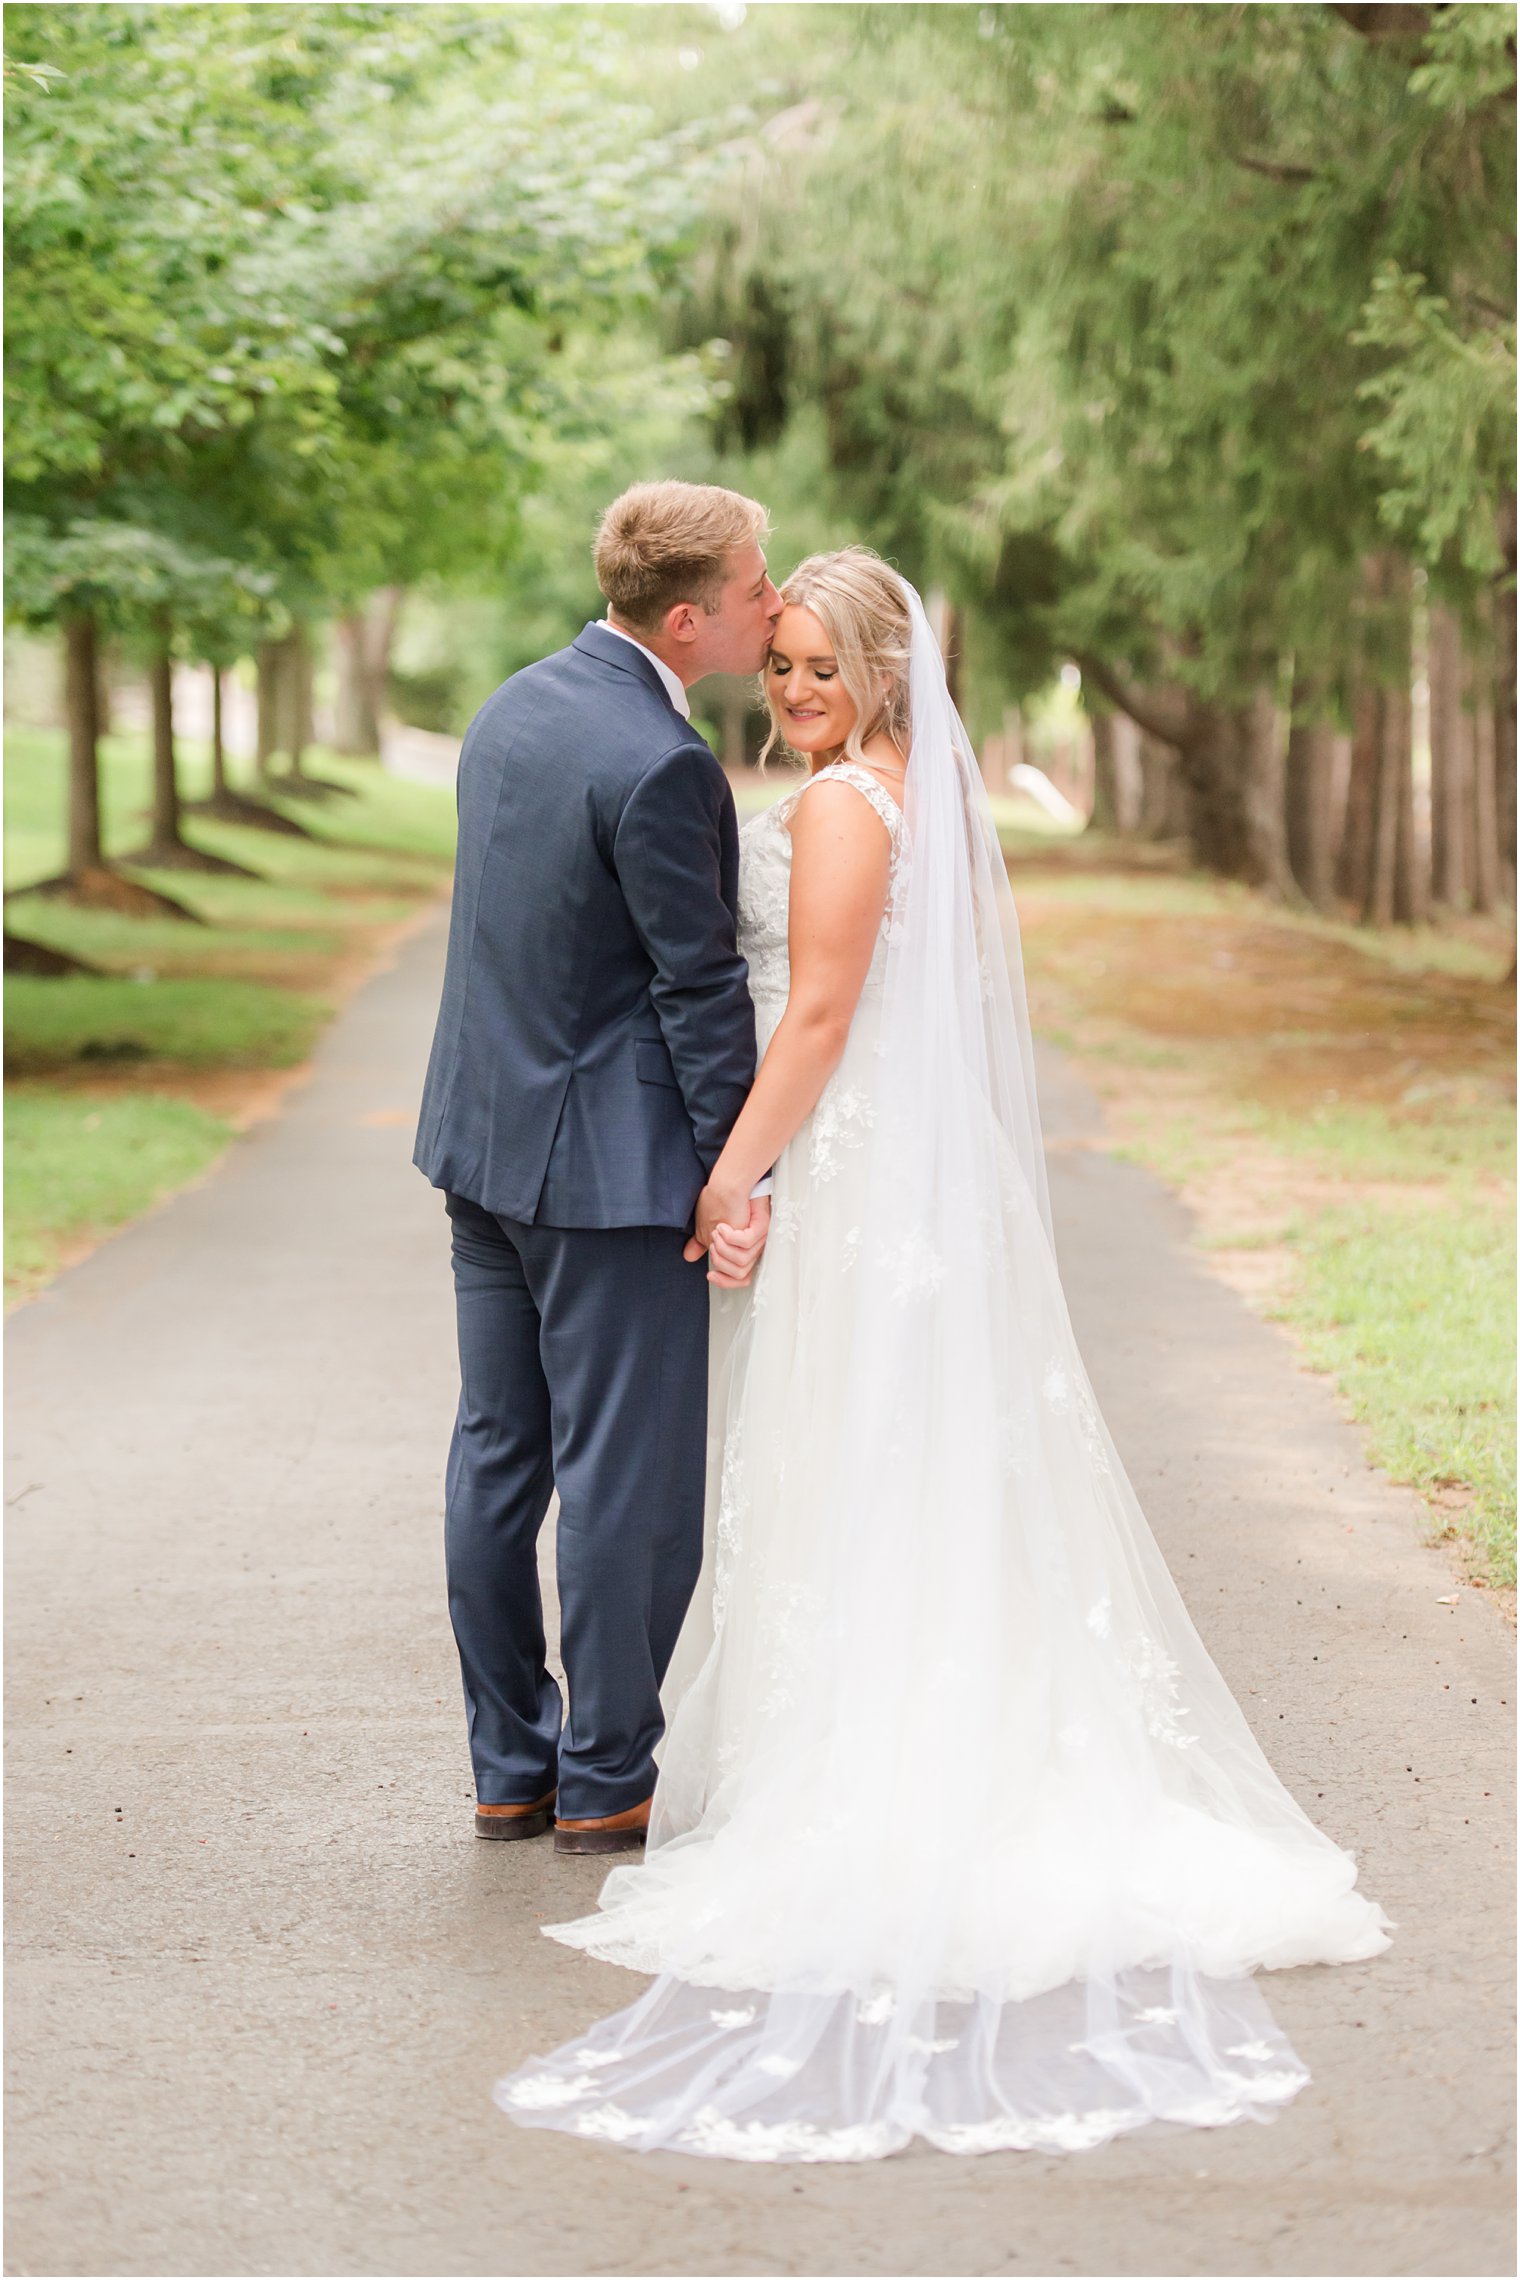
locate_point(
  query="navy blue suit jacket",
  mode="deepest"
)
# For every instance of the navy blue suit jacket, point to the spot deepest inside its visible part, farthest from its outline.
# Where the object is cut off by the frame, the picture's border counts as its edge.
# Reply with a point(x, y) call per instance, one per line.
point(596, 1038)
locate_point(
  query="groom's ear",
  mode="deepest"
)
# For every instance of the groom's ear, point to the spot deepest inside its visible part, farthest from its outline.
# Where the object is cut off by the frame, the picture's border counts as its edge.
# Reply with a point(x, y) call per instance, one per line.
point(682, 622)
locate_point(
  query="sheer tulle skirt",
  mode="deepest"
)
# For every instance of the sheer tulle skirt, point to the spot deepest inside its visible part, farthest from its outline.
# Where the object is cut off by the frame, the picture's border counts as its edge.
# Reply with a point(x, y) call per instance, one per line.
point(958, 1832)
point(797, 2077)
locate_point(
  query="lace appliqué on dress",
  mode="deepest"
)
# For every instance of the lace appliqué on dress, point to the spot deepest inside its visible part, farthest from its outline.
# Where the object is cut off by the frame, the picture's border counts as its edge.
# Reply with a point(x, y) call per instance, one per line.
point(917, 1268)
point(765, 883)
point(839, 1122)
point(1153, 1674)
point(731, 1505)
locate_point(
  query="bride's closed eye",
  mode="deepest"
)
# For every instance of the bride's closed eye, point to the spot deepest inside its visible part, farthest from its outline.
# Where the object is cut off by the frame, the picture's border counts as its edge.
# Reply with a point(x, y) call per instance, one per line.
point(783, 666)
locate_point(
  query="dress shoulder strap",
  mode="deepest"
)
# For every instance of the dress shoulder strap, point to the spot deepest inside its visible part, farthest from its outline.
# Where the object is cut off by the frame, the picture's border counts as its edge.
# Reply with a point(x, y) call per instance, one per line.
point(849, 772)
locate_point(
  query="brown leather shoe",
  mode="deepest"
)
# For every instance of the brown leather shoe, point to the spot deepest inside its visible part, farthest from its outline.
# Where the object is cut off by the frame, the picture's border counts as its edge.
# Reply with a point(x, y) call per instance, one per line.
point(511, 1822)
point(614, 1832)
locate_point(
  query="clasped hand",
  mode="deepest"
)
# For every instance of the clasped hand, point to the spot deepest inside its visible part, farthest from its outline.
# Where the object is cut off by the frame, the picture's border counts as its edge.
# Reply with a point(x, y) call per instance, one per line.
point(732, 1230)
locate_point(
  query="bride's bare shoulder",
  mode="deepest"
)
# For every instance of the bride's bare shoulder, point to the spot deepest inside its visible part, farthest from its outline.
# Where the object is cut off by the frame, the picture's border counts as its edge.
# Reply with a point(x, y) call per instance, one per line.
point(842, 804)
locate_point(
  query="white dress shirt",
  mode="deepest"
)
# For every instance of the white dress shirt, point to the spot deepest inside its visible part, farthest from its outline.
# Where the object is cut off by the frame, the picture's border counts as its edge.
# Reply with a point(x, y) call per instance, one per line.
point(675, 689)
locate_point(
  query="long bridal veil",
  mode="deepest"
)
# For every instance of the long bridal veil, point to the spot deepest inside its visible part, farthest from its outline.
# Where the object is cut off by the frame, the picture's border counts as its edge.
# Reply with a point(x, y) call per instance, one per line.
point(959, 1833)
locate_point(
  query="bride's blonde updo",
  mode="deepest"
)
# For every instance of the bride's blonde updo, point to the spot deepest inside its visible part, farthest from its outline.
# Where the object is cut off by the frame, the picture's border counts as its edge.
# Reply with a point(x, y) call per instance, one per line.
point(861, 605)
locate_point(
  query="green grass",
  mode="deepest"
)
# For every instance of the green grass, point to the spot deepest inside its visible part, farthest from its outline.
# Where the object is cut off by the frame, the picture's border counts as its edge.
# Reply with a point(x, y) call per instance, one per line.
point(1021, 825)
point(1408, 1304)
point(403, 828)
point(296, 931)
point(201, 1024)
point(1469, 1133)
point(369, 859)
point(1378, 1062)
point(1412, 1311)
point(1071, 867)
point(1177, 1149)
point(246, 989)
point(77, 1167)
point(1148, 880)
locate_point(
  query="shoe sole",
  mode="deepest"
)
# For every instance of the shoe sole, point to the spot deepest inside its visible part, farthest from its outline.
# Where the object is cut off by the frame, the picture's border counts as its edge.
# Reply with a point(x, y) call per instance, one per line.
point(512, 1828)
point(599, 1840)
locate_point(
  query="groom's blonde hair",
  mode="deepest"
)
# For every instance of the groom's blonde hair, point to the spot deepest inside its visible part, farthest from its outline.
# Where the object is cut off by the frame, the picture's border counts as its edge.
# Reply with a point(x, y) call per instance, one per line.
point(663, 543)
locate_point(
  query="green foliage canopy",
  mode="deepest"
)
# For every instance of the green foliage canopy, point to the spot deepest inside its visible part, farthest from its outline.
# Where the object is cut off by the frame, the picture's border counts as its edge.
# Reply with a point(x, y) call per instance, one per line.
point(289, 285)
point(1142, 326)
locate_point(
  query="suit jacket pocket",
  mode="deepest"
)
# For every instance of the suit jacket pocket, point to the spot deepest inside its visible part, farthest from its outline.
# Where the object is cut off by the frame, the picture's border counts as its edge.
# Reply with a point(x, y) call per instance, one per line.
point(652, 1063)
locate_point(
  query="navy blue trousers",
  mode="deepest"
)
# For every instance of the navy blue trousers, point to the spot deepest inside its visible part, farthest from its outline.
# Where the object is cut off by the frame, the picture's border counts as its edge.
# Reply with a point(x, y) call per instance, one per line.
point(583, 1368)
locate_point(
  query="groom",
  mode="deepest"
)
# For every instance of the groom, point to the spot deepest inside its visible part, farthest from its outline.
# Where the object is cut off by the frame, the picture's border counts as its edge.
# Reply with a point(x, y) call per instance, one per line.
point(594, 1045)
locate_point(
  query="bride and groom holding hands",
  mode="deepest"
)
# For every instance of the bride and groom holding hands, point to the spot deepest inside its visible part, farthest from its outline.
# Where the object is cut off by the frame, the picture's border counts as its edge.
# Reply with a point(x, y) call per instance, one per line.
point(957, 1831)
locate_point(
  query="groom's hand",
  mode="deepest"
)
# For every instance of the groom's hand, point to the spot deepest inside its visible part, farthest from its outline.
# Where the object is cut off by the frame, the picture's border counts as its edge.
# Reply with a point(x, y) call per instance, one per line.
point(732, 1228)
point(719, 1204)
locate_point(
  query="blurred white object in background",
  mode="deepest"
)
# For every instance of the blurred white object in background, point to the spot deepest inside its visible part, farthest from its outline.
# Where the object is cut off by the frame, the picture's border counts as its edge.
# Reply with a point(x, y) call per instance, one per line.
point(1037, 786)
point(419, 754)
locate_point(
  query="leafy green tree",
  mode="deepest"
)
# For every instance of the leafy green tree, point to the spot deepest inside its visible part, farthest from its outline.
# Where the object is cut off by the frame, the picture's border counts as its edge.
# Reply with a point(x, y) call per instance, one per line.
point(286, 282)
point(141, 157)
point(1149, 329)
point(95, 577)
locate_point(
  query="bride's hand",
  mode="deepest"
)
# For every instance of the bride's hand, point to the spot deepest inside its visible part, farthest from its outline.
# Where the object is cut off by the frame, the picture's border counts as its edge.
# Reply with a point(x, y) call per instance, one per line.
point(735, 1251)
point(733, 1228)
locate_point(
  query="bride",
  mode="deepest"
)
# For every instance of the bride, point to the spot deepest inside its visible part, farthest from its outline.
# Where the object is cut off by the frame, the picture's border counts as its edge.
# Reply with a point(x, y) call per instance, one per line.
point(958, 1832)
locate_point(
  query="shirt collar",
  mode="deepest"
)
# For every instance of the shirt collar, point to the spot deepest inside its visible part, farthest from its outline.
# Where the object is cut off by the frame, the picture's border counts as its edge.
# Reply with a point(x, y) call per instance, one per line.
point(673, 687)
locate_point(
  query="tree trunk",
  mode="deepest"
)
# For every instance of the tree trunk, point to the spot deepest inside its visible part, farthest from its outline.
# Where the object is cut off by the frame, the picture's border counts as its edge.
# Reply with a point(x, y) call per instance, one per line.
point(1310, 775)
point(1357, 858)
point(81, 703)
point(106, 667)
point(293, 692)
point(1105, 799)
point(286, 709)
point(268, 665)
point(1395, 889)
point(1309, 792)
point(167, 847)
point(356, 717)
point(1411, 894)
point(299, 696)
point(1353, 868)
point(1377, 897)
point(364, 637)
point(1486, 859)
point(89, 879)
point(297, 671)
point(384, 610)
point(1212, 775)
point(1213, 761)
point(1118, 776)
point(1451, 752)
point(1127, 783)
point(1221, 751)
point(219, 784)
point(225, 802)
point(1264, 797)
point(1161, 814)
point(165, 831)
point(1504, 702)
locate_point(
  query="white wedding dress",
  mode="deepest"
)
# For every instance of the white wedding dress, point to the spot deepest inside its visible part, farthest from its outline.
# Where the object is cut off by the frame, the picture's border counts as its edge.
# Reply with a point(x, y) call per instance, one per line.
point(958, 1832)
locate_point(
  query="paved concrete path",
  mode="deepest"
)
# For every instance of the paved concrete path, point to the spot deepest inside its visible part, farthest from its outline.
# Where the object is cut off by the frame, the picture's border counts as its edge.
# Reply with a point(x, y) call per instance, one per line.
point(262, 1972)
